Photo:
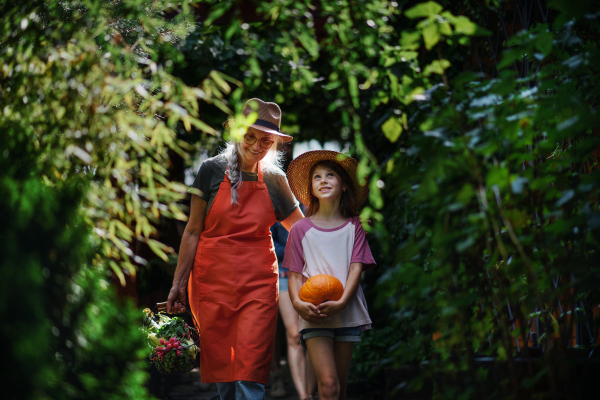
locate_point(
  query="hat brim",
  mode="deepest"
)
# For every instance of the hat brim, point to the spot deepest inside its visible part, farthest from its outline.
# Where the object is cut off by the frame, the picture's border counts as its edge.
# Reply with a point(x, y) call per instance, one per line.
point(300, 167)
point(286, 138)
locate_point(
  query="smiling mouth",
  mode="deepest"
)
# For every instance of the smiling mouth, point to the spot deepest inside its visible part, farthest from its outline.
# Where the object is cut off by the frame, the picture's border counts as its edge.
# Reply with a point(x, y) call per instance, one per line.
point(324, 189)
point(254, 152)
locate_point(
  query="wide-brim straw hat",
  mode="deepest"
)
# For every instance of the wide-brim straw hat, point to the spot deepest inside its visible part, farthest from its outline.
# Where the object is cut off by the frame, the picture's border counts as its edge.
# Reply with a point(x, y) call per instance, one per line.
point(299, 169)
point(269, 117)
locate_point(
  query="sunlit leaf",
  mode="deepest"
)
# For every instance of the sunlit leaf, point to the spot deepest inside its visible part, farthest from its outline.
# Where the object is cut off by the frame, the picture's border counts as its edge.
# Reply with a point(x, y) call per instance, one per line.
point(436, 67)
point(392, 129)
point(431, 36)
point(424, 10)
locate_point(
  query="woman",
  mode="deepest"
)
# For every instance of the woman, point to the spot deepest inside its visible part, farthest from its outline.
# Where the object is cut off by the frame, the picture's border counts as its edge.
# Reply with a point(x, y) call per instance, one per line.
point(227, 262)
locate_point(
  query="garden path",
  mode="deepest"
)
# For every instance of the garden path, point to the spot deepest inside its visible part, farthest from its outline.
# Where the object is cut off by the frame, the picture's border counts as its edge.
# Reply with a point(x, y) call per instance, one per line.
point(188, 387)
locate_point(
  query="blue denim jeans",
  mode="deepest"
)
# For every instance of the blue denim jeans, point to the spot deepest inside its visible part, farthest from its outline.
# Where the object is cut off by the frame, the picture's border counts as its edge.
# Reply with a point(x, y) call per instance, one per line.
point(241, 390)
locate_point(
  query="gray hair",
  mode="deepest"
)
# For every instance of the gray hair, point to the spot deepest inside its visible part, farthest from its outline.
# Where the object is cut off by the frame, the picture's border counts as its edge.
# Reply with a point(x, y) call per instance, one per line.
point(273, 158)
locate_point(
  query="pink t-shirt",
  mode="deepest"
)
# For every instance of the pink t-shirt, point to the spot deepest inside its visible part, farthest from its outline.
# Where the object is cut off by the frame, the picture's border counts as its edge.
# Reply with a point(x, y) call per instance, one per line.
point(311, 250)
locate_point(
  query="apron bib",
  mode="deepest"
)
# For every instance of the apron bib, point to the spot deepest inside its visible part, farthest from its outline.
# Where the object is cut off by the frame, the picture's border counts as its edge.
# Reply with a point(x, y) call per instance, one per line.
point(233, 286)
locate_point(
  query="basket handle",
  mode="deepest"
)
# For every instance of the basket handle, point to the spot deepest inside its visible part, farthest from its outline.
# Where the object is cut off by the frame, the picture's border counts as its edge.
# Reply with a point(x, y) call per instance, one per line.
point(163, 307)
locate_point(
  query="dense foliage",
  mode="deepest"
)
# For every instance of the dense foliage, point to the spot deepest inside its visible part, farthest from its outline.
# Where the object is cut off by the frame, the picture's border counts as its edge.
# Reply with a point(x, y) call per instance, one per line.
point(485, 226)
point(88, 122)
point(498, 237)
point(483, 188)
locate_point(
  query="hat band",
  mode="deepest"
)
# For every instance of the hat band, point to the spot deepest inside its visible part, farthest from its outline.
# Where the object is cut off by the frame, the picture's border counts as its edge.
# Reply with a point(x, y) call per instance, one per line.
point(266, 124)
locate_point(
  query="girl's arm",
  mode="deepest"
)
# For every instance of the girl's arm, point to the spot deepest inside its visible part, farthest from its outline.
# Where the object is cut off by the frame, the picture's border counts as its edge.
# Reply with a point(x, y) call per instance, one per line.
point(187, 253)
point(330, 308)
point(292, 219)
point(307, 311)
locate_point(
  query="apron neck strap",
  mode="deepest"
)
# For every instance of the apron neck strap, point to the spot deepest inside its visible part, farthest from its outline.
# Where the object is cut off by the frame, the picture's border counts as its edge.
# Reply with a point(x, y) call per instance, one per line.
point(260, 173)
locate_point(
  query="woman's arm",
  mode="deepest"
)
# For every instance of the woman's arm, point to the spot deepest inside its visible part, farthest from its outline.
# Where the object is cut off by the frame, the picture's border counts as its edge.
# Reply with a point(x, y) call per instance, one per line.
point(307, 311)
point(330, 308)
point(187, 253)
point(292, 219)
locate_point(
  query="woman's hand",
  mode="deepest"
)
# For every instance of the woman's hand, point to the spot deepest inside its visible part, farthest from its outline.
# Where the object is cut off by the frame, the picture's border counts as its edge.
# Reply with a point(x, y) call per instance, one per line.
point(176, 300)
point(308, 311)
point(331, 307)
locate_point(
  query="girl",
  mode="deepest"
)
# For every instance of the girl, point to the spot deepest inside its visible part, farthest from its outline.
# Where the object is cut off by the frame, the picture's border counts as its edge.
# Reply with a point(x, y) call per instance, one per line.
point(330, 241)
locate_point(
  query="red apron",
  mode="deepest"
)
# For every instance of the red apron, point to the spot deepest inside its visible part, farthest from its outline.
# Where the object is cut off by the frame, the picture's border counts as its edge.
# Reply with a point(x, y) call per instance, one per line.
point(233, 287)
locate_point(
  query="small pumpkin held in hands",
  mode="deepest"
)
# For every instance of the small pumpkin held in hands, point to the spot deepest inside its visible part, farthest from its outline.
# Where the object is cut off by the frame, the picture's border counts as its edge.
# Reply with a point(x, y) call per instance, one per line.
point(320, 288)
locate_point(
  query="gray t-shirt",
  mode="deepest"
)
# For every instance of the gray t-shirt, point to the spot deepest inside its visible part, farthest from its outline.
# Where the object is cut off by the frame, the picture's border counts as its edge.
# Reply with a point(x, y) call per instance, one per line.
point(212, 172)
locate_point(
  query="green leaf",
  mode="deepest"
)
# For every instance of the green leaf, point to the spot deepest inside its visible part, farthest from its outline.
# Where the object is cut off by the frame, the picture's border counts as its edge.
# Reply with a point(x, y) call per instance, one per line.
point(155, 246)
point(543, 42)
point(353, 89)
point(436, 67)
point(216, 75)
point(409, 55)
point(410, 40)
point(445, 28)
point(375, 194)
point(309, 43)
point(431, 36)
point(465, 26)
point(423, 10)
point(392, 129)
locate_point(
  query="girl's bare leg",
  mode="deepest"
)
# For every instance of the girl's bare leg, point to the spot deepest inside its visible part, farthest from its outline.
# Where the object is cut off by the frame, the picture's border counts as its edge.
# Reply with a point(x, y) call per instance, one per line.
point(311, 379)
point(343, 357)
point(321, 351)
point(296, 359)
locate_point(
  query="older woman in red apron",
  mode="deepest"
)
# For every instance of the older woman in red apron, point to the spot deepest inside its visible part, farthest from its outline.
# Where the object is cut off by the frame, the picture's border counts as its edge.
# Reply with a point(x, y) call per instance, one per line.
point(227, 264)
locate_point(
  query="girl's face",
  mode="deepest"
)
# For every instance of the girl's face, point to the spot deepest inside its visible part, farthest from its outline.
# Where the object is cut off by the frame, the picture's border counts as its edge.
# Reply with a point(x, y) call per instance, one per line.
point(253, 146)
point(326, 184)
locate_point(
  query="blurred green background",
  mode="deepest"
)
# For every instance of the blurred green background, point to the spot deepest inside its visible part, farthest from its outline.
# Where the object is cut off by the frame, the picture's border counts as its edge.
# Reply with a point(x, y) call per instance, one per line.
point(475, 122)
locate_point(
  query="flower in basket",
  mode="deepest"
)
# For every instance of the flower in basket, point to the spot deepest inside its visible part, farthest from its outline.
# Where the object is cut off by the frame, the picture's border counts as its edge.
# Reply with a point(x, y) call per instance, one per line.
point(173, 348)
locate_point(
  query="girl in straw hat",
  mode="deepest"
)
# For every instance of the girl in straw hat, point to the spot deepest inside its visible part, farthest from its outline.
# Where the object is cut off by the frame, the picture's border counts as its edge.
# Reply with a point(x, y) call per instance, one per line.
point(227, 264)
point(329, 241)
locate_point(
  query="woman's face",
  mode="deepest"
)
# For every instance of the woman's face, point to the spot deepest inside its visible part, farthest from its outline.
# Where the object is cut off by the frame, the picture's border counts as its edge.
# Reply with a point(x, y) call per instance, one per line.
point(253, 153)
point(326, 184)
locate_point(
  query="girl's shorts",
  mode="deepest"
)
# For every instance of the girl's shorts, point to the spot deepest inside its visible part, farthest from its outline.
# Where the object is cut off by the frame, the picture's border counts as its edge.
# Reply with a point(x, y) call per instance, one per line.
point(350, 334)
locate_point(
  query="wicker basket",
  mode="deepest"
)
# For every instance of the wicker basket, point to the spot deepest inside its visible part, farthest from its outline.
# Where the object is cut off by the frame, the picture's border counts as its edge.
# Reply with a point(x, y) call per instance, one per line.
point(168, 361)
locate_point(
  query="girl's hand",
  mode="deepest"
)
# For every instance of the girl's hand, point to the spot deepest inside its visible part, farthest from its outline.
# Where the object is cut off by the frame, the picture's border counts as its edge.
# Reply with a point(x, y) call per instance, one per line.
point(330, 307)
point(308, 311)
point(176, 300)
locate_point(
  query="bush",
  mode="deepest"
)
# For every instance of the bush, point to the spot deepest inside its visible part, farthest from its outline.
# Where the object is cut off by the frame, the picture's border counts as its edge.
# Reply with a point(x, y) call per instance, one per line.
point(89, 117)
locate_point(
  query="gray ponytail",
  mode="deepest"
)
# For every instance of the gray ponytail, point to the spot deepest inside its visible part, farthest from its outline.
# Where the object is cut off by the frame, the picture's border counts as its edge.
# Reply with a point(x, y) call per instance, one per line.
point(235, 170)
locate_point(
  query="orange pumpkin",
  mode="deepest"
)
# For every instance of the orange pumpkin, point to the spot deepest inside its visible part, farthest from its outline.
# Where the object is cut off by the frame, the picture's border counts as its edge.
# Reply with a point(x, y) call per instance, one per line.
point(320, 288)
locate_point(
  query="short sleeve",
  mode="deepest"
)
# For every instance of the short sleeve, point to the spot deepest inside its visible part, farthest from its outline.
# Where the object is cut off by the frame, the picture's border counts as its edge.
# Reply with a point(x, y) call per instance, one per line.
point(294, 253)
point(361, 253)
point(286, 202)
point(202, 182)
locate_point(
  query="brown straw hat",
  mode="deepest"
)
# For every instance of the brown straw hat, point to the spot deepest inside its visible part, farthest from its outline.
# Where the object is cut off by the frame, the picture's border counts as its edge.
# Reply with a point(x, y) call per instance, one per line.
point(299, 169)
point(269, 117)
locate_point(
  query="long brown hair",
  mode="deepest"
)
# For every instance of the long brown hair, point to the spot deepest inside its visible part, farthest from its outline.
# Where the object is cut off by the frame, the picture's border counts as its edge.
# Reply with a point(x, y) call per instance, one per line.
point(348, 206)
